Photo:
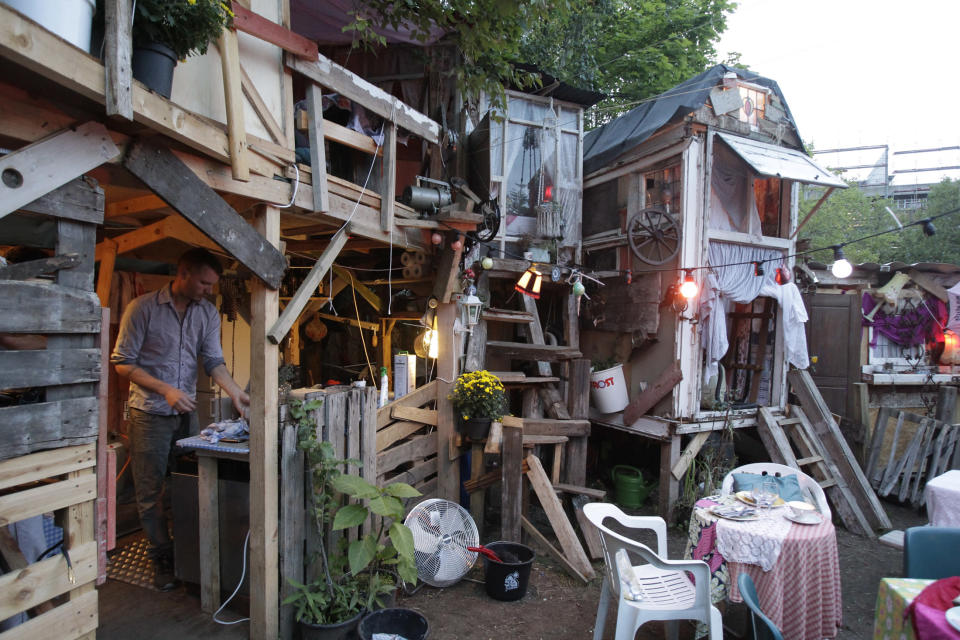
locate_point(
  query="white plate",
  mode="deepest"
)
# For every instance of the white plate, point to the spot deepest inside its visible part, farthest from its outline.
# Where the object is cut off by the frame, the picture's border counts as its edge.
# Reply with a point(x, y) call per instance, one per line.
point(813, 518)
point(730, 516)
point(953, 617)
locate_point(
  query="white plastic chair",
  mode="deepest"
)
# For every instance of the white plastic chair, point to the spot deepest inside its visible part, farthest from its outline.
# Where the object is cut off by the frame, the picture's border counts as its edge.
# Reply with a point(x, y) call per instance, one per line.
point(668, 594)
point(772, 468)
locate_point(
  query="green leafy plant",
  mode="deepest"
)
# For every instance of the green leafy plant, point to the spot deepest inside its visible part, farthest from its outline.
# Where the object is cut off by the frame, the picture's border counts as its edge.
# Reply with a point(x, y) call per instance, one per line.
point(186, 26)
point(360, 573)
point(479, 394)
point(601, 364)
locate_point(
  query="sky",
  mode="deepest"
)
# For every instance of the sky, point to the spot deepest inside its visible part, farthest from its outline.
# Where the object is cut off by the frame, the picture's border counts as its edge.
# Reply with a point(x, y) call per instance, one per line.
point(857, 72)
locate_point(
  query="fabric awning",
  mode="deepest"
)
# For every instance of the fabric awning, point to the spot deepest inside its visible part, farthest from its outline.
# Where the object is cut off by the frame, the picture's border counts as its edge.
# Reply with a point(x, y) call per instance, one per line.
point(771, 160)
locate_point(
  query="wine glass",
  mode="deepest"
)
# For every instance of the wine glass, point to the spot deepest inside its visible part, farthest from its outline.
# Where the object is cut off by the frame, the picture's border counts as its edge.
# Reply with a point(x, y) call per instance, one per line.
point(769, 492)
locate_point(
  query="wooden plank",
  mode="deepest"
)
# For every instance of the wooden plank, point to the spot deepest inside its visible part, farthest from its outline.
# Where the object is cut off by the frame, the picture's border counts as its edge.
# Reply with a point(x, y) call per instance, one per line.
point(774, 439)
point(106, 473)
point(318, 154)
point(512, 484)
point(494, 438)
point(260, 108)
point(348, 84)
point(922, 465)
point(415, 474)
point(208, 504)
point(536, 441)
point(416, 398)
point(36, 368)
point(426, 416)
point(578, 406)
point(551, 550)
point(36, 169)
point(553, 404)
point(366, 292)
point(118, 50)
point(507, 315)
point(176, 183)
point(388, 190)
point(368, 442)
point(566, 536)
point(233, 100)
point(49, 497)
point(669, 487)
point(46, 464)
point(68, 621)
point(689, 453)
point(476, 355)
point(396, 432)
point(596, 494)
point(416, 449)
point(930, 285)
point(649, 397)
point(448, 269)
point(837, 447)
point(897, 469)
point(591, 536)
point(105, 274)
point(80, 199)
point(34, 585)
point(264, 441)
point(891, 456)
point(34, 268)
point(41, 307)
point(249, 22)
point(536, 332)
point(812, 211)
point(522, 351)
point(876, 443)
point(477, 498)
point(448, 472)
point(303, 294)
point(292, 511)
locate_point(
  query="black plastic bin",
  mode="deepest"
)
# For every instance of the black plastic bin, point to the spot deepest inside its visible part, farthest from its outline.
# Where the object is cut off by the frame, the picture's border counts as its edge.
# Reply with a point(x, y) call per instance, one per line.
point(508, 580)
point(403, 622)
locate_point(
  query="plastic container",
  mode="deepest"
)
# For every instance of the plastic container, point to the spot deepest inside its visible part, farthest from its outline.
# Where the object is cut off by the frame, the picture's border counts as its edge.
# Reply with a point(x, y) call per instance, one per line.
point(341, 631)
point(608, 389)
point(69, 19)
point(508, 580)
point(629, 489)
point(404, 622)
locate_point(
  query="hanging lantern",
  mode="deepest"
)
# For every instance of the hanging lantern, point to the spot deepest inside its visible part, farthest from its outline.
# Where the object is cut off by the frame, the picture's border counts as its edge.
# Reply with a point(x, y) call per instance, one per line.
point(470, 307)
point(529, 283)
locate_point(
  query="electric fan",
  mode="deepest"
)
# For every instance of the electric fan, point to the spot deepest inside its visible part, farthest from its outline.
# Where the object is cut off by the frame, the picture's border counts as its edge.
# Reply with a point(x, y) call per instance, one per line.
point(442, 531)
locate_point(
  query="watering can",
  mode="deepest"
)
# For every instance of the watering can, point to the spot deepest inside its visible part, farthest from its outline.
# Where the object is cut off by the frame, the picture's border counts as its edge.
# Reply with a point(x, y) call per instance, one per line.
point(629, 490)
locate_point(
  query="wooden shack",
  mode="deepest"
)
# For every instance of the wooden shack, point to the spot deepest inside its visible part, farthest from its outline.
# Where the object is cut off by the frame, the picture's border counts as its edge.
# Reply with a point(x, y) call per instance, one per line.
point(700, 183)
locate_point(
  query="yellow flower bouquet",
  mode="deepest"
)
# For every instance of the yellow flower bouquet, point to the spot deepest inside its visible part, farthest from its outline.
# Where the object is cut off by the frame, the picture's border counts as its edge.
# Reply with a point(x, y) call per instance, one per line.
point(478, 396)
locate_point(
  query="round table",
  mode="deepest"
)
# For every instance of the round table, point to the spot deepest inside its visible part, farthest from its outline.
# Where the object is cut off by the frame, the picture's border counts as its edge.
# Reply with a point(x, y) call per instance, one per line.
point(800, 593)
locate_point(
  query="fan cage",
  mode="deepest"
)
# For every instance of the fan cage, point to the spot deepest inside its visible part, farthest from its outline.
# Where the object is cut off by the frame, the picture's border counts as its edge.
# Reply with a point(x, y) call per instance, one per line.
point(442, 531)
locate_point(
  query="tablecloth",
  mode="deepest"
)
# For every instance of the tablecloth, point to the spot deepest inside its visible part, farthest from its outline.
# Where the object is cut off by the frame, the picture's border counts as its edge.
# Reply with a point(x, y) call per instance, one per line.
point(943, 499)
point(893, 596)
point(801, 593)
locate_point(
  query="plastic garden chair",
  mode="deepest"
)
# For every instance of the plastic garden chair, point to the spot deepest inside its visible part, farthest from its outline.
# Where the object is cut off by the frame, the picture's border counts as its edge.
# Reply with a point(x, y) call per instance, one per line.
point(667, 592)
point(806, 483)
point(931, 552)
point(763, 627)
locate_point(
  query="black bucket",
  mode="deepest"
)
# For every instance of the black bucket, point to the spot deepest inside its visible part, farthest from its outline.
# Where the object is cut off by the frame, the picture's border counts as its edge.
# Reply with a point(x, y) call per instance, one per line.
point(508, 580)
point(405, 623)
point(152, 64)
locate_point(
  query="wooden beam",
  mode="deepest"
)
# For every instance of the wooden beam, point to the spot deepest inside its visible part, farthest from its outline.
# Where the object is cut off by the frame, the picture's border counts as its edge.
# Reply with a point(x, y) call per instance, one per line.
point(170, 227)
point(448, 471)
point(650, 396)
point(233, 100)
point(33, 171)
point(365, 292)
point(259, 27)
point(260, 108)
point(118, 50)
point(369, 326)
point(264, 439)
point(318, 155)
point(806, 218)
point(930, 285)
point(688, 455)
point(348, 84)
point(416, 398)
point(552, 551)
point(448, 269)
point(134, 205)
point(524, 351)
point(176, 183)
point(105, 275)
point(34, 268)
point(512, 483)
point(80, 199)
point(389, 185)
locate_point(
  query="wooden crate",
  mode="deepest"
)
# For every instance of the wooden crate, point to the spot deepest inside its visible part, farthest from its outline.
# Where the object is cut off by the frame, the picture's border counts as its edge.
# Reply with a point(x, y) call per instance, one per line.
point(63, 481)
point(406, 441)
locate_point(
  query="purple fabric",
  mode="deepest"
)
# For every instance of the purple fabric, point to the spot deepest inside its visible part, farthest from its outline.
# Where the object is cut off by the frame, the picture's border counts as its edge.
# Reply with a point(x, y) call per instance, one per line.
point(912, 327)
point(708, 540)
point(928, 610)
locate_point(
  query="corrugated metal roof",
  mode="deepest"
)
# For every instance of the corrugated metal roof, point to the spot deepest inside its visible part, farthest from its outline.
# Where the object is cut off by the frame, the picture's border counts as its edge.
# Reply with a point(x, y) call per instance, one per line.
point(771, 160)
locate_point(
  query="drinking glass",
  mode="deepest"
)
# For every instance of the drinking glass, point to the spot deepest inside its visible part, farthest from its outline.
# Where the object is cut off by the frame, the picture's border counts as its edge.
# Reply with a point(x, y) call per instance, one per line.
point(769, 492)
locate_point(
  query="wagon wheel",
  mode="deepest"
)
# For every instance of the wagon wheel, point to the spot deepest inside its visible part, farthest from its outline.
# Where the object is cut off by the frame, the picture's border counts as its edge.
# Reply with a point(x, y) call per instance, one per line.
point(653, 235)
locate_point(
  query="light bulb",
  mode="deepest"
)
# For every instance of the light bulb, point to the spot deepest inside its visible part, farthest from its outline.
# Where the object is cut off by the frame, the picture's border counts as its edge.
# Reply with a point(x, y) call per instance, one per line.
point(841, 268)
point(689, 288)
point(433, 348)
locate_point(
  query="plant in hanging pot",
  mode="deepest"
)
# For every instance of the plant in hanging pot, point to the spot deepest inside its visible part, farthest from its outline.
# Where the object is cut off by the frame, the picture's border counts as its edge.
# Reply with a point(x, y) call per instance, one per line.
point(478, 398)
point(357, 575)
point(165, 31)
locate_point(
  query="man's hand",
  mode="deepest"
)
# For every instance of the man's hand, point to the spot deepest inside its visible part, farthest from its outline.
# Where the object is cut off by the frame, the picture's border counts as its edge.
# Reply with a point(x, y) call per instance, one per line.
point(179, 401)
point(241, 402)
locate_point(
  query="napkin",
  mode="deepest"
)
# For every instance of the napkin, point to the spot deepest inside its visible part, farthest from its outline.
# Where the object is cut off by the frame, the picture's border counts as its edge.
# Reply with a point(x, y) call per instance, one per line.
point(735, 511)
point(928, 610)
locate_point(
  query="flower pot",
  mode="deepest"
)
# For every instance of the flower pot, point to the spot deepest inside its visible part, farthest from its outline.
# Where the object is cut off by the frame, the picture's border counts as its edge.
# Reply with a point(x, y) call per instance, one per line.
point(69, 19)
point(153, 64)
point(345, 630)
point(405, 623)
point(608, 389)
point(474, 428)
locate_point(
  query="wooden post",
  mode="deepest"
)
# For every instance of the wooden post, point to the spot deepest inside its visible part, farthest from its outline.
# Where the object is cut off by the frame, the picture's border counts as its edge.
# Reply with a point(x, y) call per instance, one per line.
point(389, 190)
point(318, 154)
point(208, 500)
point(448, 472)
point(118, 49)
point(669, 487)
point(511, 484)
point(292, 510)
point(105, 275)
point(477, 497)
point(946, 407)
point(264, 489)
point(102, 414)
point(575, 463)
point(233, 99)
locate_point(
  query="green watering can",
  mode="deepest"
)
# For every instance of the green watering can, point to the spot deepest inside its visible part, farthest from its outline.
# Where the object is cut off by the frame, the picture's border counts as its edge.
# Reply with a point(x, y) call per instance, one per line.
point(629, 490)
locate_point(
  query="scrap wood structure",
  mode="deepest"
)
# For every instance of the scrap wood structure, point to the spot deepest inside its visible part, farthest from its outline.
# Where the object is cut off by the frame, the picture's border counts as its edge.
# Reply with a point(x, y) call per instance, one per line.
point(115, 180)
point(702, 183)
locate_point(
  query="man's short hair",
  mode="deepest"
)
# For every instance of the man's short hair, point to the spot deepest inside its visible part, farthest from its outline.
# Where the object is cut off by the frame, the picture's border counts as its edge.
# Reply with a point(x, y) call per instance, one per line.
point(196, 258)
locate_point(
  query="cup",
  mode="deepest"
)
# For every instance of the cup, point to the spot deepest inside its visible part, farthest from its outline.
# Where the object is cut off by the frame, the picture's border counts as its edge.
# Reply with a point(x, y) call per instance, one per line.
point(769, 491)
point(801, 510)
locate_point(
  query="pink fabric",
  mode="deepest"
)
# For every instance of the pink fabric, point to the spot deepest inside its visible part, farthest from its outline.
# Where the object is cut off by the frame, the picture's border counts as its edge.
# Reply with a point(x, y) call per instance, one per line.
point(708, 539)
point(801, 594)
point(927, 609)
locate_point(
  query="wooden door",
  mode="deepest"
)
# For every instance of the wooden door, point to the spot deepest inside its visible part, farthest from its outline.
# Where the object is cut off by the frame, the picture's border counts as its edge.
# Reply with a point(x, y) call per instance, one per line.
point(833, 336)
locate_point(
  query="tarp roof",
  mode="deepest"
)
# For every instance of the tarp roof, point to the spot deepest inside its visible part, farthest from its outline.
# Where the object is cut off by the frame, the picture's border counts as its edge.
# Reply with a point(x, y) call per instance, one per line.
point(604, 144)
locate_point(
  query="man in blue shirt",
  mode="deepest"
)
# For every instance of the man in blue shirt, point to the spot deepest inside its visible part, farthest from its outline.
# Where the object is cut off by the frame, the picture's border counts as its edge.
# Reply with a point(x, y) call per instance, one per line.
point(163, 335)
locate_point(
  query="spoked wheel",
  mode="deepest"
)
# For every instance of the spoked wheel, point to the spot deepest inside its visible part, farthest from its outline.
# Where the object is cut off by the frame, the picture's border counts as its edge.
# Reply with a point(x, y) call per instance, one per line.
point(487, 230)
point(654, 235)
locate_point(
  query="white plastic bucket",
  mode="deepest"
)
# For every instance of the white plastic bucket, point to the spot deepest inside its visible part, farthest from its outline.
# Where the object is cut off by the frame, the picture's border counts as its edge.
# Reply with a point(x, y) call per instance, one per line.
point(69, 19)
point(608, 389)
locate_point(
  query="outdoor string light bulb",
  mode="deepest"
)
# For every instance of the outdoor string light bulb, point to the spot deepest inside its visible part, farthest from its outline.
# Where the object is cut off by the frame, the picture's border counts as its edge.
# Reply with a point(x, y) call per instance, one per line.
point(841, 267)
point(433, 340)
point(928, 228)
point(689, 288)
point(528, 288)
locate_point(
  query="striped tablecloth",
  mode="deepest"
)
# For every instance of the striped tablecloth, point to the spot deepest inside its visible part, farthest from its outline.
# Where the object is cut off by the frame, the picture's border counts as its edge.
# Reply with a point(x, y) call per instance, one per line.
point(801, 593)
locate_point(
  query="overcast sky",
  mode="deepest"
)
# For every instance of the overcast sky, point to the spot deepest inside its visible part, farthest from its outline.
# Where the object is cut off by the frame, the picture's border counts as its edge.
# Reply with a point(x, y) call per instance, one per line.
point(857, 72)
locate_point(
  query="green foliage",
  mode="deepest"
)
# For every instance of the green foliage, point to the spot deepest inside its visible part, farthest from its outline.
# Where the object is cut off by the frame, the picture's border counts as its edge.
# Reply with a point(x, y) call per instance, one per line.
point(186, 26)
point(602, 364)
point(479, 394)
point(360, 573)
point(914, 246)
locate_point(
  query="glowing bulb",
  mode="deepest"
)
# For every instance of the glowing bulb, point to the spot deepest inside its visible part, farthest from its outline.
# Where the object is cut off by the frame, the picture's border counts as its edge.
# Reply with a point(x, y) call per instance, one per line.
point(487, 263)
point(689, 288)
point(433, 341)
point(841, 266)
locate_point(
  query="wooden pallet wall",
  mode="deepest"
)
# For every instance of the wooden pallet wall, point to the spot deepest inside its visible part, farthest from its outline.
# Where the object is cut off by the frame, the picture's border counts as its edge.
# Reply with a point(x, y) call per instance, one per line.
point(407, 441)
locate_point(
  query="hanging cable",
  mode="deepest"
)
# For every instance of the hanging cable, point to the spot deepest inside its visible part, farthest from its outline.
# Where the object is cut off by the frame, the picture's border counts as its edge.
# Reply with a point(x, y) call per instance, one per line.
point(243, 575)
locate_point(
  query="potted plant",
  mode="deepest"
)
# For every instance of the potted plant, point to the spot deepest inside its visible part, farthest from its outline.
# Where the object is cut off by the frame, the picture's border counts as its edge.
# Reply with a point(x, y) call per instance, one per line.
point(165, 31)
point(608, 387)
point(478, 398)
point(356, 578)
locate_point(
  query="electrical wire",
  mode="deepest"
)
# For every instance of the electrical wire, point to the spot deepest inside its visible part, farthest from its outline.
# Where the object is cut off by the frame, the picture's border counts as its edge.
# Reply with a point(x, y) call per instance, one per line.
point(356, 308)
point(243, 575)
